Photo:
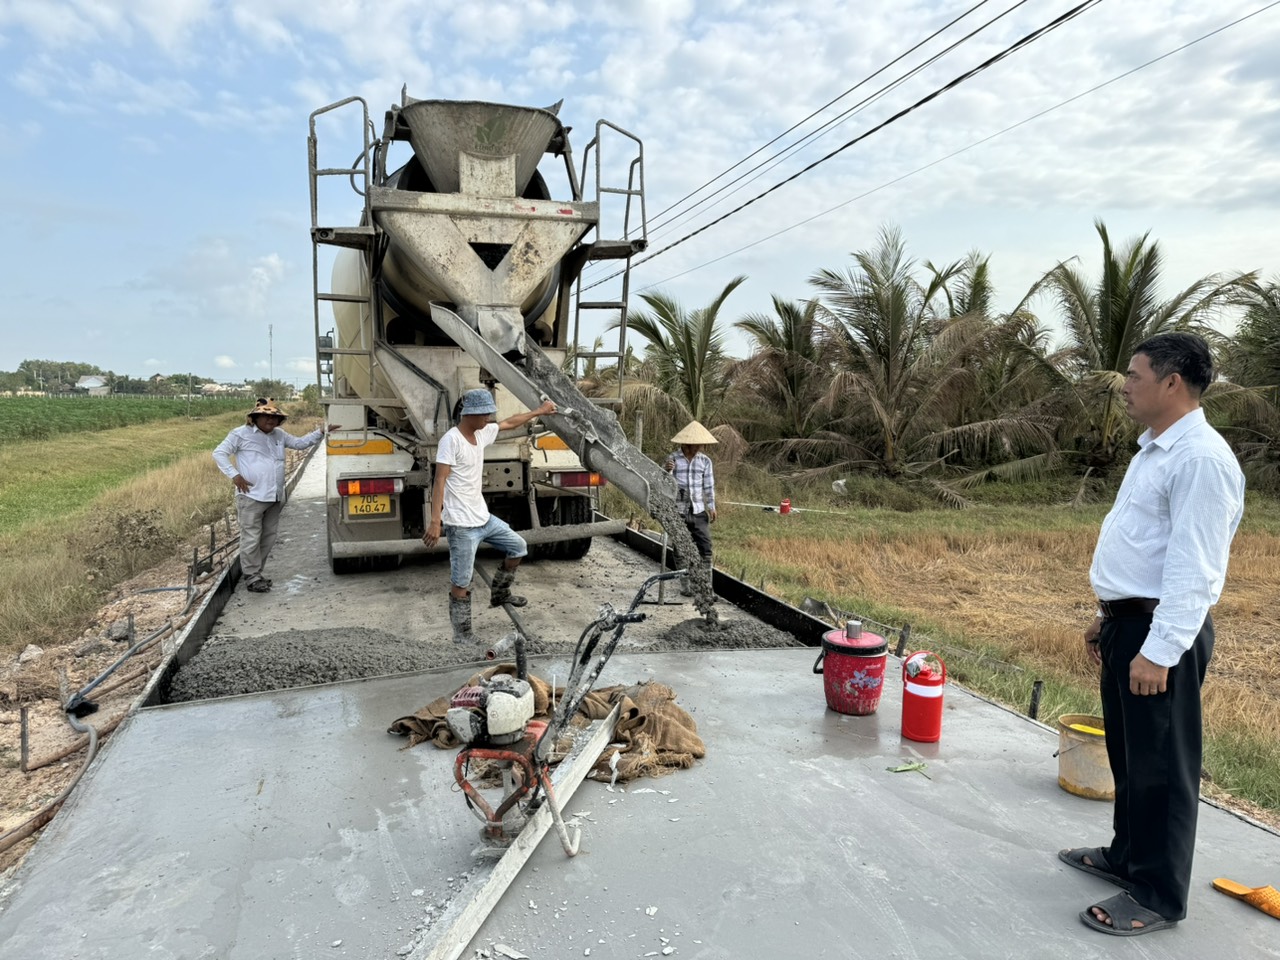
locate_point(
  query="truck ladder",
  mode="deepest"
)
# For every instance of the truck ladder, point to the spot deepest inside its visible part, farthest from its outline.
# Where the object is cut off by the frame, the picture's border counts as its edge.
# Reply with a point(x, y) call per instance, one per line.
point(362, 237)
point(613, 291)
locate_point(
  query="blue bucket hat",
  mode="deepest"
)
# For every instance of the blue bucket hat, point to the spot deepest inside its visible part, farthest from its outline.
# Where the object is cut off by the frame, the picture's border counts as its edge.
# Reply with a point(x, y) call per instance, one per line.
point(475, 402)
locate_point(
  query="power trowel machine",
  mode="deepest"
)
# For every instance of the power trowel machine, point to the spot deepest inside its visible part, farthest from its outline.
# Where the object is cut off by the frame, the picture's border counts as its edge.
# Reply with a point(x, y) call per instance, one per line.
point(494, 720)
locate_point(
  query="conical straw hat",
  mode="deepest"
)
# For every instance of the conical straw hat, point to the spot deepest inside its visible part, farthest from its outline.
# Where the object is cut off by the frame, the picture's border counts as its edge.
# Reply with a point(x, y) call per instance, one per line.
point(694, 433)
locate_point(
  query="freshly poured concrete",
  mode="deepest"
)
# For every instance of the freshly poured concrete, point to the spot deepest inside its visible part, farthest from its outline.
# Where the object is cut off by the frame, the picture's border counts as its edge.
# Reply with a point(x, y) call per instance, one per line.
point(291, 825)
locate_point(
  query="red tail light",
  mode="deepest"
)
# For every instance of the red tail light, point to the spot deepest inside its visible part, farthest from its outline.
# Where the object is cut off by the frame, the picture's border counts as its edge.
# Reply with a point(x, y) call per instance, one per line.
point(577, 480)
point(356, 488)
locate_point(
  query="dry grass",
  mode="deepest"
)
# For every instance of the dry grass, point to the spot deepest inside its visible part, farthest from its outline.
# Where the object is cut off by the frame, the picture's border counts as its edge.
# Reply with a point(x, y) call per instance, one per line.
point(1019, 591)
point(1029, 596)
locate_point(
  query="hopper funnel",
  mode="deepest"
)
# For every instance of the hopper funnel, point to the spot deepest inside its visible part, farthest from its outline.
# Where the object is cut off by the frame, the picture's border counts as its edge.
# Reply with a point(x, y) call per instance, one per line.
point(441, 130)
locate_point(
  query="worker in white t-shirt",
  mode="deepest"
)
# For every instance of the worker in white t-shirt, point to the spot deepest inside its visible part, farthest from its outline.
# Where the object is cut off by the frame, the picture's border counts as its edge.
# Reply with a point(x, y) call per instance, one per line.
point(459, 513)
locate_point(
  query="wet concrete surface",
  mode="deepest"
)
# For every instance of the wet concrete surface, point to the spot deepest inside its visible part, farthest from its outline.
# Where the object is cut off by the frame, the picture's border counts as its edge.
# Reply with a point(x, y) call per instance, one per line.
point(289, 824)
point(317, 627)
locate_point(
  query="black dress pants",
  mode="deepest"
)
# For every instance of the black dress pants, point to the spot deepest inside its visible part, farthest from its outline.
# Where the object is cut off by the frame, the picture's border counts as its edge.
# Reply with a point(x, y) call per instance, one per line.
point(1154, 746)
point(700, 529)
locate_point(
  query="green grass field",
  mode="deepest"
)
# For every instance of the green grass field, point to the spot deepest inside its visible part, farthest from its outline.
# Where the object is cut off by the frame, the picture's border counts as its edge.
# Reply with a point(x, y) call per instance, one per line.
point(39, 418)
point(44, 481)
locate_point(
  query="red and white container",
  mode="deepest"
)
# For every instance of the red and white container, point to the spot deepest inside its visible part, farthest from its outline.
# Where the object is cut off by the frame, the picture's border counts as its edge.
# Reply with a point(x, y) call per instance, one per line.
point(853, 675)
point(785, 506)
point(922, 683)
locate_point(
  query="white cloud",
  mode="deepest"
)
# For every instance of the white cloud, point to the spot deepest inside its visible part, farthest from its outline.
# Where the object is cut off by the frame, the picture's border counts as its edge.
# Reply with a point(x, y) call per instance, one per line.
point(263, 275)
point(262, 29)
point(215, 97)
point(224, 362)
point(72, 86)
point(217, 280)
point(52, 24)
point(62, 24)
point(153, 362)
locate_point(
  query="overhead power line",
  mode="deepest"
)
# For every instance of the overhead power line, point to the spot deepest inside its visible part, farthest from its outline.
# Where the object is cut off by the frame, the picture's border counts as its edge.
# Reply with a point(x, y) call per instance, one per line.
point(977, 143)
point(829, 103)
point(964, 77)
point(843, 117)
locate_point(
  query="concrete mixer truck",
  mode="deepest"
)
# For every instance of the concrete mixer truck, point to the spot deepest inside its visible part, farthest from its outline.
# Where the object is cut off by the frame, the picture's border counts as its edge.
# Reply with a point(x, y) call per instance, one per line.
point(457, 273)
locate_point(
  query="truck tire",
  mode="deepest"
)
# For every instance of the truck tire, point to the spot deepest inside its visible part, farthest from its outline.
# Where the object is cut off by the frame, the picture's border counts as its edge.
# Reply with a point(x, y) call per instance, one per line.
point(341, 566)
point(574, 510)
point(563, 511)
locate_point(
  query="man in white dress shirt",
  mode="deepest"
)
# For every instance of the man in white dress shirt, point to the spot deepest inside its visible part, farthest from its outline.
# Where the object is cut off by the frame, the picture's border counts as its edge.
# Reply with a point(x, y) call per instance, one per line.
point(1158, 567)
point(258, 475)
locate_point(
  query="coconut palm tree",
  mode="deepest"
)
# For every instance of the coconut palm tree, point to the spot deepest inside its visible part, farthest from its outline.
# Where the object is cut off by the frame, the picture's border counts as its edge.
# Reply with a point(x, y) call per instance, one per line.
point(596, 379)
point(1105, 319)
point(684, 355)
point(1253, 358)
point(906, 365)
point(785, 376)
point(1252, 362)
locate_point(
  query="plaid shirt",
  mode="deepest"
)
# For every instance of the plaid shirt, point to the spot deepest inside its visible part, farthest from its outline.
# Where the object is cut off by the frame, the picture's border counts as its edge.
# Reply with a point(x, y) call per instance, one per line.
point(696, 482)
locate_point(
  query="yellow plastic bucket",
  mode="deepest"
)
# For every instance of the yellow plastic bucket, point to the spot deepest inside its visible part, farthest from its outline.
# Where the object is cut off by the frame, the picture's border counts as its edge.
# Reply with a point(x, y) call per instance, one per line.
point(1082, 757)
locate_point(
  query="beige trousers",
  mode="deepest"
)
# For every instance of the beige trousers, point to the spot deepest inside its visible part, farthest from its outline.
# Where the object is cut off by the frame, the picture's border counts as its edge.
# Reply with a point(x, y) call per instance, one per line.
point(258, 524)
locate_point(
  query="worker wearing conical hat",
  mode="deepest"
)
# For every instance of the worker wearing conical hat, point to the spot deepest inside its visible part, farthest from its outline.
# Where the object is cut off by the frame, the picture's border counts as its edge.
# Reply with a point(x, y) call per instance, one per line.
point(695, 487)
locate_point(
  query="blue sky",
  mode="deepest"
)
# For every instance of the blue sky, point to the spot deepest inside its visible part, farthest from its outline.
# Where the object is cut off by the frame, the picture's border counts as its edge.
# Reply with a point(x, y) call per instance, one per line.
point(154, 151)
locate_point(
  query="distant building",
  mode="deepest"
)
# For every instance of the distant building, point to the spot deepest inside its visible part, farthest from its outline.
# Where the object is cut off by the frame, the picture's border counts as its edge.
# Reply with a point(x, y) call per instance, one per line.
point(223, 389)
point(94, 386)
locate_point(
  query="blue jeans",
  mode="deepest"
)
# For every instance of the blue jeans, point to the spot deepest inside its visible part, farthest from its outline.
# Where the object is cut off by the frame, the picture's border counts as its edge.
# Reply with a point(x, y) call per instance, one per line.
point(465, 541)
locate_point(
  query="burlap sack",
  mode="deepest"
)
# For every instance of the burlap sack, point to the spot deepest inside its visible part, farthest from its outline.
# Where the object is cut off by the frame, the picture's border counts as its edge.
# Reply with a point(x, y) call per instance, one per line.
point(652, 737)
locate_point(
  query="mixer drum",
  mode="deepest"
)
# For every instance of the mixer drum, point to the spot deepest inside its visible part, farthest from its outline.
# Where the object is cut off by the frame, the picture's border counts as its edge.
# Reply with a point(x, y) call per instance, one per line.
point(407, 295)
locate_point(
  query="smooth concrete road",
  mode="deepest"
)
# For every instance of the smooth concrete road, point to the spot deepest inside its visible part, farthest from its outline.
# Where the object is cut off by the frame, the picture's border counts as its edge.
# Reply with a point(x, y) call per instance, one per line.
point(290, 824)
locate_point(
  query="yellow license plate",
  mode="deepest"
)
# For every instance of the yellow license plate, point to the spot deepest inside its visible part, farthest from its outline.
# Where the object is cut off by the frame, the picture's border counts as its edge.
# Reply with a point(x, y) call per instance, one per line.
point(369, 505)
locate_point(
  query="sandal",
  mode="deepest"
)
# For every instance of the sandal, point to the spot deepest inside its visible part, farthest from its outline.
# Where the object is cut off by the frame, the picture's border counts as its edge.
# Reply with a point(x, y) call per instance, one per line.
point(1124, 911)
point(1098, 868)
point(1266, 899)
point(259, 586)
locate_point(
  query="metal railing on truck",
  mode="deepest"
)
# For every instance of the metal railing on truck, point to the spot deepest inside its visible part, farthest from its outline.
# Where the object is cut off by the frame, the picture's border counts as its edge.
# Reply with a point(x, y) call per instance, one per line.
point(361, 237)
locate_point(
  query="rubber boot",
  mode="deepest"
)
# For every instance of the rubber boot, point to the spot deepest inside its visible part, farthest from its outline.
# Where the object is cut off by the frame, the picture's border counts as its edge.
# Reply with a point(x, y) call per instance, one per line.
point(500, 592)
point(460, 617)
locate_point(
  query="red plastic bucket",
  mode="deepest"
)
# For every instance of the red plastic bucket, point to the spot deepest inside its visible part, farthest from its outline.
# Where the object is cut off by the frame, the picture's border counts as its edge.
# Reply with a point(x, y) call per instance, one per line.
point(853, 675)
point(785, 506)
point(922, 684)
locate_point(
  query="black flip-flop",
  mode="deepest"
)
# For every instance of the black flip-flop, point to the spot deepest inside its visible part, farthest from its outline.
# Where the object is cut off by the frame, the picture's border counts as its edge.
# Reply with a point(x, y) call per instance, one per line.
point(1123, 911)
point(1099, 868)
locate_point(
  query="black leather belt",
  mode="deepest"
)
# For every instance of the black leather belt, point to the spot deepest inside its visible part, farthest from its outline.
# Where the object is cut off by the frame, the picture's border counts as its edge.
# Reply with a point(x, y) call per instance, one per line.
point(1128, 607)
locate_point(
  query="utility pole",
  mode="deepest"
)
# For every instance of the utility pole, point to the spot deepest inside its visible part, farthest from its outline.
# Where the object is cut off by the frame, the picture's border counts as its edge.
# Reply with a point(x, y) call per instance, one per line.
point(271, 358)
